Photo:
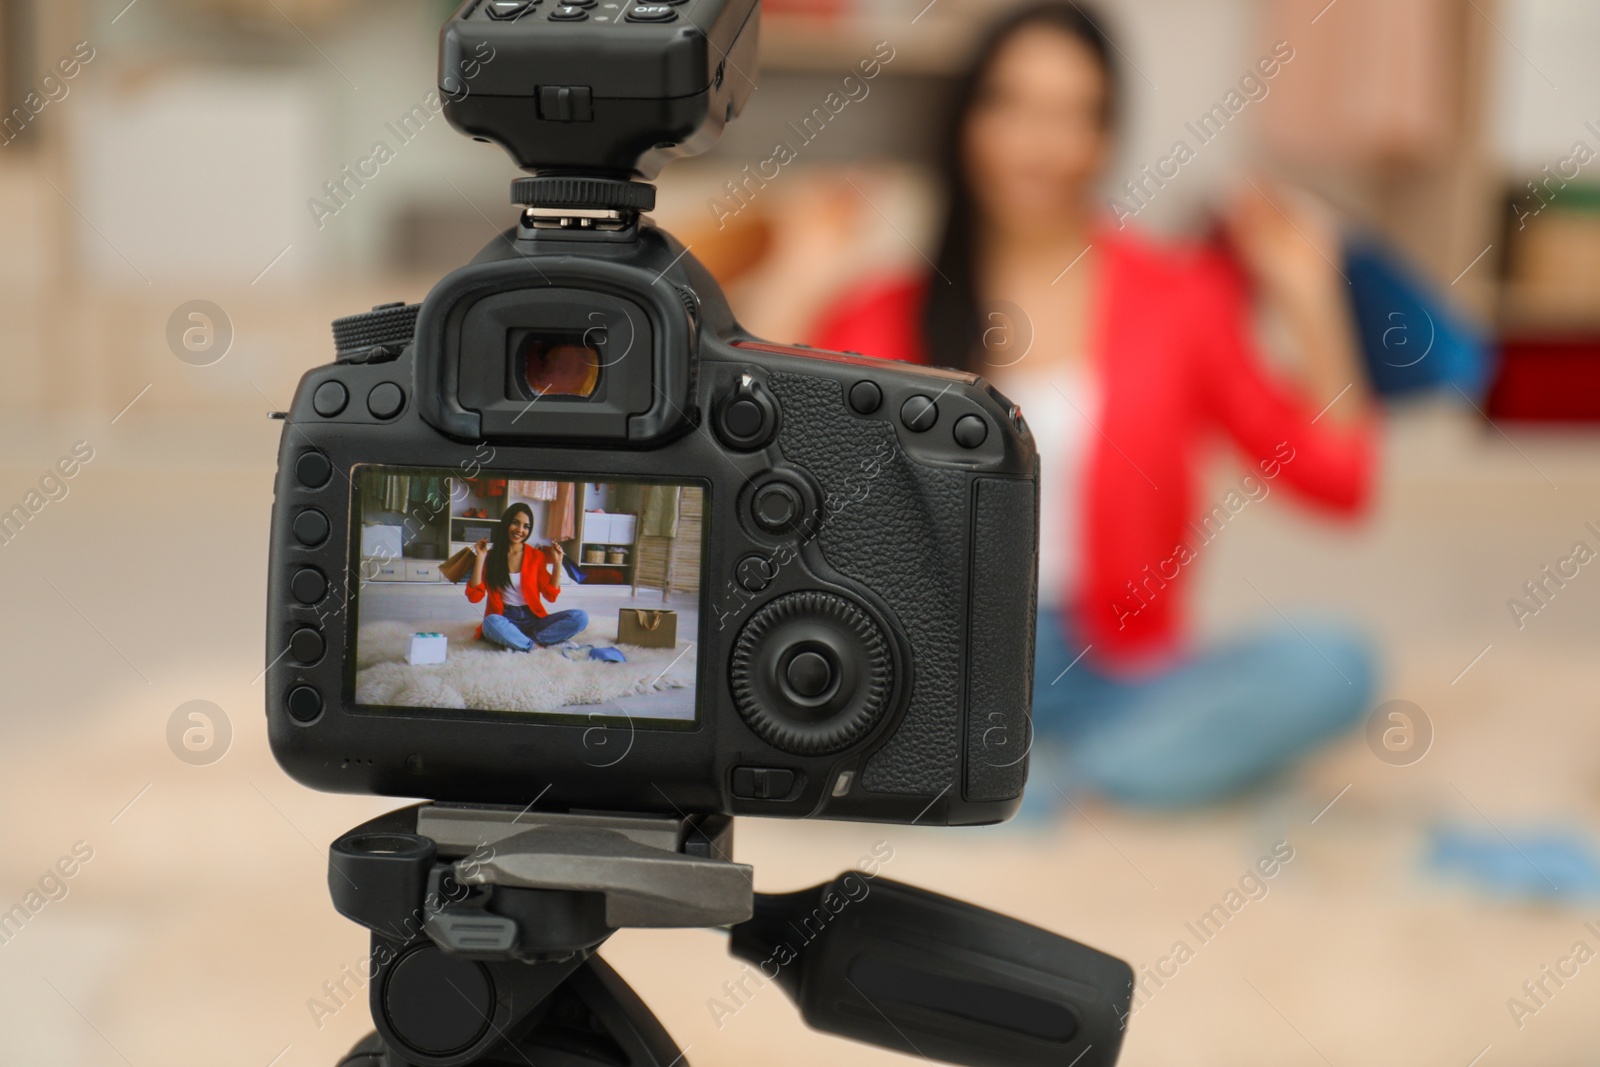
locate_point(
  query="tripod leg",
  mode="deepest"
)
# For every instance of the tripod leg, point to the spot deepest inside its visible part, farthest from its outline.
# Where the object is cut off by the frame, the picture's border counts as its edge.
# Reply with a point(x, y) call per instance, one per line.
point(596, 1020)
point(368, 1053)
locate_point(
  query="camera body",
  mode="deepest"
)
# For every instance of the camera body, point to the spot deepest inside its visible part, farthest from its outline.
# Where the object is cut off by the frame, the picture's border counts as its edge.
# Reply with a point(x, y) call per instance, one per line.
point(850, 544)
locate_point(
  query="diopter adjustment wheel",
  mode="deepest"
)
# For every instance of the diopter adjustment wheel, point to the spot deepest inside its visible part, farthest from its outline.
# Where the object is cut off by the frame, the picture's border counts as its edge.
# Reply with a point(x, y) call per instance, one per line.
point(376, 336)
point(601, 194)
point(812, 674)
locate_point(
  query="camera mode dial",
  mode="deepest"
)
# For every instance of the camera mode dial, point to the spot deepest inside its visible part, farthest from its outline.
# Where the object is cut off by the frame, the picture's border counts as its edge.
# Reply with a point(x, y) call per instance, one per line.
point(812, 674)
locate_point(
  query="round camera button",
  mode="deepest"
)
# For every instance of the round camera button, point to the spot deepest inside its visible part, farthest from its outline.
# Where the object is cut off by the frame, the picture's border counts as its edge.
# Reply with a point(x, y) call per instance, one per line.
point(865, 398)
point(755, 574)
point(810, 675)
point(747, 417)
point(920, 414)
point(311, 527)
point(313, 470)
point(651, 13)
point(308, 585)
point(971, 431)
point(307, 646)
point(744, 418)
point(305, 704)
point(330, 399)
point(777, 507)
point(386, 400)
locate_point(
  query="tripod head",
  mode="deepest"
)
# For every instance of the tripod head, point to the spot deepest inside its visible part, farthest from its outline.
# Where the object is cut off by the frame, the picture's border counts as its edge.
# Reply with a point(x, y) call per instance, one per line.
point(485, 922)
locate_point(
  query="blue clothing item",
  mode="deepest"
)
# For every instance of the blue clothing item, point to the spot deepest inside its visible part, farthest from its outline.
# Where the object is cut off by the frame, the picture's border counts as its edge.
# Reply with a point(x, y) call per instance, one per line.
point(520, 629)
point(1413, 339)
point(1552, 863)
point(1210, 726)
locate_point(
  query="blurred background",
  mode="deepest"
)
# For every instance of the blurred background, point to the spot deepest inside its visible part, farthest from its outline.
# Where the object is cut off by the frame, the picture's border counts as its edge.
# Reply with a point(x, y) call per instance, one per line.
point(161, 152)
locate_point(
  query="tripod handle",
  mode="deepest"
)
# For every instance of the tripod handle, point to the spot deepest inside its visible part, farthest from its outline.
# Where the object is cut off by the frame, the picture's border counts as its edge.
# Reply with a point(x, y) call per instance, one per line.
point(908, 970)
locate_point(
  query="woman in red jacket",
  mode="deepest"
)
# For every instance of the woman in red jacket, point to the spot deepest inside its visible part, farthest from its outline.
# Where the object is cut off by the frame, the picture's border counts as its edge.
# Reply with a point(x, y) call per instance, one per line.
point(1128, 360)
point(516, 579)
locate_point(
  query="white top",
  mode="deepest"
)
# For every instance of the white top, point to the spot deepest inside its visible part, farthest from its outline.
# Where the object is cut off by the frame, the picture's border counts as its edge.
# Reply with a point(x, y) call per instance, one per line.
point(1062, 408)
point(512, 594)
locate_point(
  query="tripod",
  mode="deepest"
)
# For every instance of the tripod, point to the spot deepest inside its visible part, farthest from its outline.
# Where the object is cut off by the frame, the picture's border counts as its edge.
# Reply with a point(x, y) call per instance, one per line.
point(485, 922)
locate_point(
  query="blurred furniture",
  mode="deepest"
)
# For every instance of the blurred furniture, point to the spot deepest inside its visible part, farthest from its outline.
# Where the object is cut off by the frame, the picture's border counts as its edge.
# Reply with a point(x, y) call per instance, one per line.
point(1550, 360)
point(1385, 106)
point(1548, 379)
point(297, 12)
point(672, 564)
point(599, 533)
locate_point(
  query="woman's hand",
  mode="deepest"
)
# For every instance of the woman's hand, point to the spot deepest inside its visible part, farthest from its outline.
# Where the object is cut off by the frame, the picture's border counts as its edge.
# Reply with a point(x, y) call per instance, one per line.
point(1291, 245)
point(556, 556)
point(1287, 240)
point(482, 548)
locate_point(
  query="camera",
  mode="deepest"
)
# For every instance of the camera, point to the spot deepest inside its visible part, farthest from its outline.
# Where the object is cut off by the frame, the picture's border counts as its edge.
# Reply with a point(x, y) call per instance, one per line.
point(565, 534)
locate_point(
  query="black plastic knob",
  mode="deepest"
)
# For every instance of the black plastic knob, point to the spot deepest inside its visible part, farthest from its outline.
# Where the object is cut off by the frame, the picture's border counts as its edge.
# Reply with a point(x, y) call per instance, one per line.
point(778, 507)
point(920, 414)
point(375, 336)
point(747, 418)
point(812, 674)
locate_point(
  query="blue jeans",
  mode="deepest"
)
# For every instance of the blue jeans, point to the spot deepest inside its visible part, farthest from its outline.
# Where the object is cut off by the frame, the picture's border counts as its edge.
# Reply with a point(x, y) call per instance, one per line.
point(1208, 727)
point(520, 629)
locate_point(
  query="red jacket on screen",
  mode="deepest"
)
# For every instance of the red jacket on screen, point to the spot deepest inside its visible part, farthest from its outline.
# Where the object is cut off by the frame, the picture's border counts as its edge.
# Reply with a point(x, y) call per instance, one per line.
point(1177, 368)
point(536, 576)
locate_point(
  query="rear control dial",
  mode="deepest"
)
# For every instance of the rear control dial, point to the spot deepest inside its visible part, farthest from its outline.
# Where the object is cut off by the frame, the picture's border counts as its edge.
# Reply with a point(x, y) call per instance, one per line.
point(812, 674)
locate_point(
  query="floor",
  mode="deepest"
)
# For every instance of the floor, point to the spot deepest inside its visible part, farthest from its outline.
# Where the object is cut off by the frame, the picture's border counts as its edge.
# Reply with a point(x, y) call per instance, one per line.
point(431, 605)
point(404, 600)
point(195, 929)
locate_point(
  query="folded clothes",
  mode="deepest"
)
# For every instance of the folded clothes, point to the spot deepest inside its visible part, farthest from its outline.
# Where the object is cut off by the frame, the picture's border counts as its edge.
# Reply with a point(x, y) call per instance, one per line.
point(1557, 863)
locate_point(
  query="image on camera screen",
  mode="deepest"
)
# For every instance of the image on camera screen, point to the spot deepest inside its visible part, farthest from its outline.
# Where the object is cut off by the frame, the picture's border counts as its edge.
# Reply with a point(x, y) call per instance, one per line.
point(571, 600)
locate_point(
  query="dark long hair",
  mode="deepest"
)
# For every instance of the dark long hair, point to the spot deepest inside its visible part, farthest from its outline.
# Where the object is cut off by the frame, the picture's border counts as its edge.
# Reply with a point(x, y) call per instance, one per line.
point(496, 574)
point(951, 326)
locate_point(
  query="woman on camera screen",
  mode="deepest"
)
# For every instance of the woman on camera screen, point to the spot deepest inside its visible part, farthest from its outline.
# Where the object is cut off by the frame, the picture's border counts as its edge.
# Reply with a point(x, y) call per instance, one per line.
point(516, 579)
point(1140, 355)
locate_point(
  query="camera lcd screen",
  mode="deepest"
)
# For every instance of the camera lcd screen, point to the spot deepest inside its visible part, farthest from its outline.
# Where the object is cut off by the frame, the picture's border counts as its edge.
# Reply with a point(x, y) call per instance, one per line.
point(528, 595)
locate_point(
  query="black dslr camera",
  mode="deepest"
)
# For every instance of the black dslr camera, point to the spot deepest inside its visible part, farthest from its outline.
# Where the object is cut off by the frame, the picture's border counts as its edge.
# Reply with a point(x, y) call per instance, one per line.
point(756, 579)
point(568, 552)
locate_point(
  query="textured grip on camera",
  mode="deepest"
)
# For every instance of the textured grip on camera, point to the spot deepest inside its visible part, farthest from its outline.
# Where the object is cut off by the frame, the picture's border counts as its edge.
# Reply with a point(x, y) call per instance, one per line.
point(900, 529)
point(1000, 667)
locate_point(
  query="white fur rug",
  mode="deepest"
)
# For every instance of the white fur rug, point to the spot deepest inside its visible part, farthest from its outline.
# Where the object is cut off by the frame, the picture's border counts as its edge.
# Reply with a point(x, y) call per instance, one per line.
point(480, 676)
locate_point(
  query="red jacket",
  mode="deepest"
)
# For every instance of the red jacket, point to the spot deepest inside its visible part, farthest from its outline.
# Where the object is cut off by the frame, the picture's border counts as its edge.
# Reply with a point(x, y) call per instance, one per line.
point(535, 576)
point(1177, 367)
